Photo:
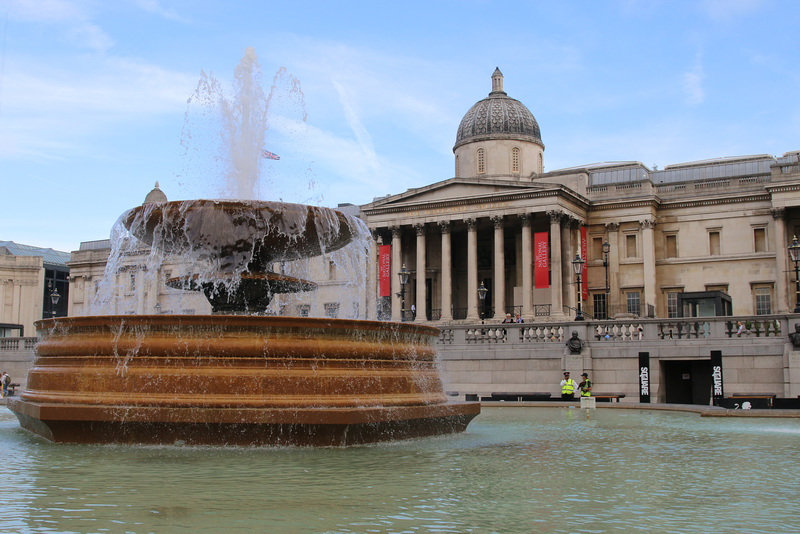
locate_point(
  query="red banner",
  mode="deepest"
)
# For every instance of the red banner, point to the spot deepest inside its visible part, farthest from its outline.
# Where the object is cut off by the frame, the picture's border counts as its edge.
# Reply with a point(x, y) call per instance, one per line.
point(385, 270)
point(584, 278)
point(541, 260)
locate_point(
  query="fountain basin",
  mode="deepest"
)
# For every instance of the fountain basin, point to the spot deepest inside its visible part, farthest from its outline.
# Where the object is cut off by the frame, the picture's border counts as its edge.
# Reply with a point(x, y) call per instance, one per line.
point(236, 380)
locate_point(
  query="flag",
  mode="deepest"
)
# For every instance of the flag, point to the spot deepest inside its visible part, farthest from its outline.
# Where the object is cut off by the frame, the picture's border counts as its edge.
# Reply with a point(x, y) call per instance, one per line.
point(269, 155)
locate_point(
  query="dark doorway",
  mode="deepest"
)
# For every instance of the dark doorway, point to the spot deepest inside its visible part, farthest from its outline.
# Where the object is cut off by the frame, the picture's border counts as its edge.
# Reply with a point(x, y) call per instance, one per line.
point(687, 381)
point(429, 301)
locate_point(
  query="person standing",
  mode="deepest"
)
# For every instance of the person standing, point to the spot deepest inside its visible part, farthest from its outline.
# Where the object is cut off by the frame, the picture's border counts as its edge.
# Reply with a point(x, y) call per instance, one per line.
point(568, 387)
point(585, 386)
point(6, 380)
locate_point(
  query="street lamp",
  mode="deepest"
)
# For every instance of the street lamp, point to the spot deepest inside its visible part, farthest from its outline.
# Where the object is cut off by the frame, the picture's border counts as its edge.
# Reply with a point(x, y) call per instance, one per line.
point(794, 252)
point(577, 268)
point(606, 250)
point(54, 296)
point(403, 274)
point(482, 295)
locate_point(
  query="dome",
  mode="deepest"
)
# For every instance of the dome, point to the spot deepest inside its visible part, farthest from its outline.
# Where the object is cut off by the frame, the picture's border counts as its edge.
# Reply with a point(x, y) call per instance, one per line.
point(498, 116)
point(156, 195)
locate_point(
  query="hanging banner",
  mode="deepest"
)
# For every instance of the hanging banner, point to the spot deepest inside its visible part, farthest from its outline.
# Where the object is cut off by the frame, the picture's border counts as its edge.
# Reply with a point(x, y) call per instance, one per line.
point(716, 376)
point(585, 270)
point(385, 270)
point(541, 260)
point(644, 377)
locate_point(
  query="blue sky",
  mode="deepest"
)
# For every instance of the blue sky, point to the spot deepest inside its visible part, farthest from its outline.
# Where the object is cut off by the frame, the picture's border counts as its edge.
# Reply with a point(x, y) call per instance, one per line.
point(93, 93)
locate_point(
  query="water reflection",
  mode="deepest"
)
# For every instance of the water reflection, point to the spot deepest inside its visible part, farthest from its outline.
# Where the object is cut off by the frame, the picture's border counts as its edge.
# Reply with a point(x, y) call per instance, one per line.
point(514, 470)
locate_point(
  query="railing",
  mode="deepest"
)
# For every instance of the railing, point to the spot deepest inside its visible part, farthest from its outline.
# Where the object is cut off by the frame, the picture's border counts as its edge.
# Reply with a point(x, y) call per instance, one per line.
point(17, 343)
point(710, 329)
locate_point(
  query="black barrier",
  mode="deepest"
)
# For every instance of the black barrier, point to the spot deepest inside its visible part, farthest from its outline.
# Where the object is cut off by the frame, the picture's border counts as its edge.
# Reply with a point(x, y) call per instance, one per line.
point(716, 377)
point(644, 377)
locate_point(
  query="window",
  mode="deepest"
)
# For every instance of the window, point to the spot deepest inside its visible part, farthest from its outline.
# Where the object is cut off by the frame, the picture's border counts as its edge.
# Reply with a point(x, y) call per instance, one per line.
point(331, 270)
point(331, 309)
point(763, 300)
point(713, 243)
point(600, 306)
point(457, 167)
point(133, 282)
point(303, 310)
point(597, 248)
point(760, 239)
point(481, 162)
point(630, 246)
point(515, 160)
point(671, 245)
point(541, 164)
point(634, 303)
point(672, 304)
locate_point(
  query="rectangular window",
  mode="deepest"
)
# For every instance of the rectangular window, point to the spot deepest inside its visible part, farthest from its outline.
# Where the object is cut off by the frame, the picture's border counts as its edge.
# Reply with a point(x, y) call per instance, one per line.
point(634, 303)
point(331, 270)
point(760, 239)
point(303, 310)
point(713, 243)
point(600, 306)
point(133, 282)
point(763, 300)
point(630, 246)
point(671, 246)
point(597, 248)
point(672, 305)
point(331, 309)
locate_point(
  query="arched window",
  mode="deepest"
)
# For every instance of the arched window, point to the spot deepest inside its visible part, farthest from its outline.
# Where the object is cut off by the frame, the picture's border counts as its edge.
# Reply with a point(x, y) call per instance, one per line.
point(481, 162)
point(541, 164)
point(456, 166)
point(515, 160)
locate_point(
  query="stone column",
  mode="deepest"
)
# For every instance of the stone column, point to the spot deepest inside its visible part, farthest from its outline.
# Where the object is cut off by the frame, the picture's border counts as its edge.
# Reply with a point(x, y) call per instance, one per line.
point(556, 260)
point(783, 303)
point(421, 269)
point(649, 259)
point(613, 269)
point(447, 272)
point(472, 270)
point(499, 289)
point(397, 259)
point(570, 249)
point(527, 267)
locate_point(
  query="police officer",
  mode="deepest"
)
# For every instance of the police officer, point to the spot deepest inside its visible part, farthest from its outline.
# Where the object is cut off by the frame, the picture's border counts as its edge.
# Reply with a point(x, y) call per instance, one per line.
point(585, 386)
point(568, 387)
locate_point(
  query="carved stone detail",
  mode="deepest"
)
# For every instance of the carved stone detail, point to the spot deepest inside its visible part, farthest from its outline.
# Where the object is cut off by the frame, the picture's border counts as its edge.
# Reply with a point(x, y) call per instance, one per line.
point(498, 220)
point(648, 224)
point(445, 226)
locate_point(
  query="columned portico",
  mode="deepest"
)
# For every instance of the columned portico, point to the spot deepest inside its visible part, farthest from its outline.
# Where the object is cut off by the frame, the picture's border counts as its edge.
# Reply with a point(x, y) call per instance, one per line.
point(782, 239)
point(499, 286)
point(556, 259)
point(472, 269)
point(447, 272)
point(649, 257)
point(421, 269)
point(397, 264)
point(527, 267)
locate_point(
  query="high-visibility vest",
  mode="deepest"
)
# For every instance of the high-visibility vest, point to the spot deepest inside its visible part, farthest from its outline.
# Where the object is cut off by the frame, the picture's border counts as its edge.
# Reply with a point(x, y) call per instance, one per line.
point(587, 393)
point(568, 387)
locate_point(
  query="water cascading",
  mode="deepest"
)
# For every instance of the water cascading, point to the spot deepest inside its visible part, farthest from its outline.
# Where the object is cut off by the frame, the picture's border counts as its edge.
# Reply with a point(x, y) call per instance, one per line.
point(242, 375)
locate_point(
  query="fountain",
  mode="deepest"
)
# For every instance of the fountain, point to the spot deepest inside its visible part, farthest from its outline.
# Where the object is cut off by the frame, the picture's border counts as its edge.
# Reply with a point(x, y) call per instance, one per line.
point(239, 376)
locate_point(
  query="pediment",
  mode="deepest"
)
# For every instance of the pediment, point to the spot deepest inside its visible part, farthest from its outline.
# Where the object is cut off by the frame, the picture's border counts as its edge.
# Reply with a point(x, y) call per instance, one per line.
point(457, 189)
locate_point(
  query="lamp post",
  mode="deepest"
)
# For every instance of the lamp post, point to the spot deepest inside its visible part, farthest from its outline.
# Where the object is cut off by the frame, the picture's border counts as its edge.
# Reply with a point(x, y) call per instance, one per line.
point(54, 296)
point(794, 252)
point(577, 268)
point(403, 274)
point(606, 250)
point(482, 295)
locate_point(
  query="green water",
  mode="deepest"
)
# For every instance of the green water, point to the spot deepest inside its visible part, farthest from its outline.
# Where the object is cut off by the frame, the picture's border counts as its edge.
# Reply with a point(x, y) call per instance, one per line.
point(514, 470)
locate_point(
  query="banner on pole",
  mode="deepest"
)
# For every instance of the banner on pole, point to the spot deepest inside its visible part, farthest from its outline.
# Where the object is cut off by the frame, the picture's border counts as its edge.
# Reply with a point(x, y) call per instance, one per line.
point(585, 270)
point(644, 377)
point(541, 261)
point(385, 270)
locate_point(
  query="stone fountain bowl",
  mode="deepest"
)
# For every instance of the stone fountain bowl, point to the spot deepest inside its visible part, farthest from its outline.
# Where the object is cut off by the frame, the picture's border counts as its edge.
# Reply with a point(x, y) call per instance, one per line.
point(241, 234)
point(235, 380)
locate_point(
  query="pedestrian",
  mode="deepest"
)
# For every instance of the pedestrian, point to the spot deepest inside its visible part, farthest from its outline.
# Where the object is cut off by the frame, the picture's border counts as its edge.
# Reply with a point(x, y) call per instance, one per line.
point(6, 380)
point(519, 319)
point(740, 330)
point(508, 319)
point(568, 387)
point(585, 386)
point(414, 311)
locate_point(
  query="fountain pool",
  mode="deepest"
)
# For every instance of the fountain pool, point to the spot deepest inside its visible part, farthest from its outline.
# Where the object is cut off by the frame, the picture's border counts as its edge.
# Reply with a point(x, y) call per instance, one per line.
point(514, 470)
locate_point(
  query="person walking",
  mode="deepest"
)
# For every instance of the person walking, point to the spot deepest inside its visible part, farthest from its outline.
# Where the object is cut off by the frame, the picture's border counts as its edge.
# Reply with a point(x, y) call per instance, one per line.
point(568, 387)
point(585, 386)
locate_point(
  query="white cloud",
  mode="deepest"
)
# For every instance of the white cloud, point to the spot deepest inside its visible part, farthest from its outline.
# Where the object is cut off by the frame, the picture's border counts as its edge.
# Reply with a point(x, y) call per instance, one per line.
point(155, 7)
point(693, 81)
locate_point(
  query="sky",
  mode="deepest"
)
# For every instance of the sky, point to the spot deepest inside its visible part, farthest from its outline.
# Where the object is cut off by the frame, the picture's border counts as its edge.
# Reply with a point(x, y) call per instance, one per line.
point(96, 97)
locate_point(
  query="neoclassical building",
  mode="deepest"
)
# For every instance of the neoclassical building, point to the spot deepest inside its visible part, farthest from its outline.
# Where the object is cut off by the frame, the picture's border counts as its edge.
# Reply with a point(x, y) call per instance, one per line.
point(656, 242)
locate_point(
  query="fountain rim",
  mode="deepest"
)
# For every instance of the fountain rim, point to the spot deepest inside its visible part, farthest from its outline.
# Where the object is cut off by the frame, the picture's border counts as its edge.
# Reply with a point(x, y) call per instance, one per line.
point(233, 321)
